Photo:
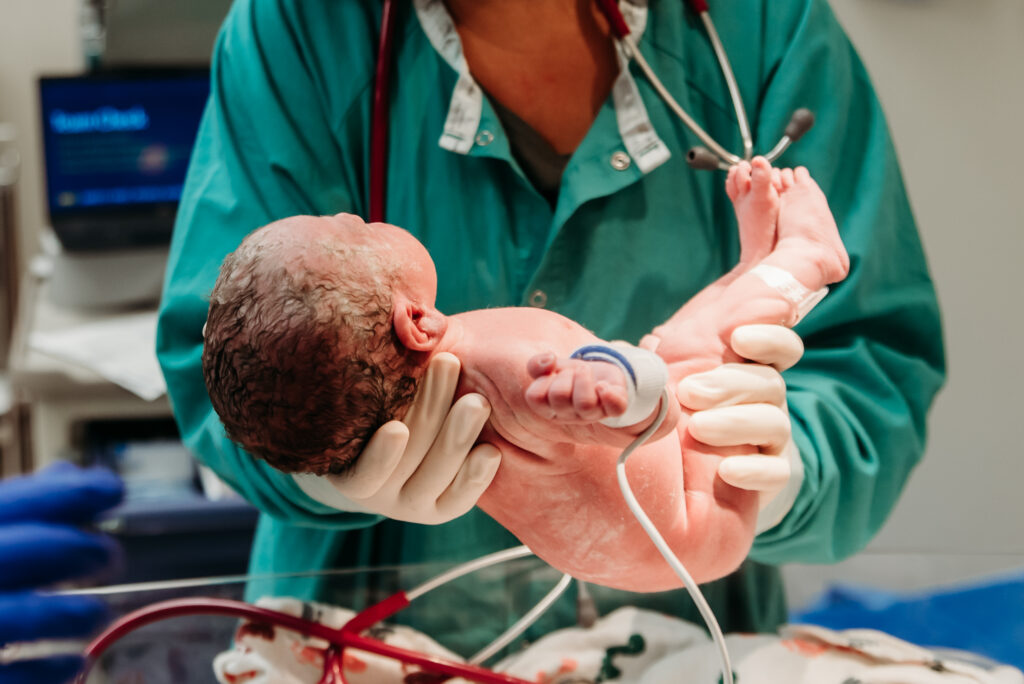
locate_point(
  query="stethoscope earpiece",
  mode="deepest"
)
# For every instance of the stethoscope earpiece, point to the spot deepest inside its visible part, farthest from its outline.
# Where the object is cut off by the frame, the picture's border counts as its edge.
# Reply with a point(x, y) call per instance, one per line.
point(799, 123)
point(703, 159)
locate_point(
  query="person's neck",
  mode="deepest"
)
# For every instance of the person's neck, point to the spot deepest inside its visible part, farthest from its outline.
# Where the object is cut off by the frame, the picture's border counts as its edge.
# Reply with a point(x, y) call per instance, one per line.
point(551, 62)
point(527, 26)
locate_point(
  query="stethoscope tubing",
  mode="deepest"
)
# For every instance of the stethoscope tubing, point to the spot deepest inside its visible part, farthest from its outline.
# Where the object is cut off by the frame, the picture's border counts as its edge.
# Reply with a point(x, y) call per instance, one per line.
point(709, 157)
point(380, 119)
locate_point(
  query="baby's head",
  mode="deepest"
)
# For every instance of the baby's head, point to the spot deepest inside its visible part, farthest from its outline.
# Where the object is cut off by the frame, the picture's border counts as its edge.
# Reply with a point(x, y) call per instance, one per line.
point(318, 332)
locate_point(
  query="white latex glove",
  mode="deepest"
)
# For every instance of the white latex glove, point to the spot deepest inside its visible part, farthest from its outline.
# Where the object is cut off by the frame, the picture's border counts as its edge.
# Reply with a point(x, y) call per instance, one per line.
point(421, 469)
point(744, 404)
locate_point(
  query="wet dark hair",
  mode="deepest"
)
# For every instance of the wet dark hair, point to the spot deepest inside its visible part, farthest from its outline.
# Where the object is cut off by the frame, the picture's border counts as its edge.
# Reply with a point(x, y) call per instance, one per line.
point(301, 366)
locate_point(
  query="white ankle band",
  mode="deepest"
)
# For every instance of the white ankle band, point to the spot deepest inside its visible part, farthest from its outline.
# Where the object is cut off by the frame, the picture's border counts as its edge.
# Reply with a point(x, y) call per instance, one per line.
point(646, 376)
point(783, 282)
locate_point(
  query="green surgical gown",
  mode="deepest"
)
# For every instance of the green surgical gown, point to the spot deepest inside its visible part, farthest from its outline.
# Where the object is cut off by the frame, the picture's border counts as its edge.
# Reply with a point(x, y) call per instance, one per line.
point(286, 132)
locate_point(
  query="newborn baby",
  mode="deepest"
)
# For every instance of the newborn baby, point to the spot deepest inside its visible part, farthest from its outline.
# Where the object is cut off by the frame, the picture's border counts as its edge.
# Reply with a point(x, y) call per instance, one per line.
point(320, 328)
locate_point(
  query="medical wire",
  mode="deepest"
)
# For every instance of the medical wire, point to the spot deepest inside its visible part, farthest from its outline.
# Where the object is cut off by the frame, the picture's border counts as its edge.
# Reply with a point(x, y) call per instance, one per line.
point(468, 567)
point(523, 623)
point(663, 547)
point(726, 157)
point(730, 82)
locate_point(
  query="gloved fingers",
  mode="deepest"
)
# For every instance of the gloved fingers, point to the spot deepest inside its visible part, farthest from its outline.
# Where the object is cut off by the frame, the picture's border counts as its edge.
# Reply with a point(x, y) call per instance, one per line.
point(30, 616)
point(763, 425)
point(38, 554)
point(60, 493)
point(472, 480)
point(760, 473)
point(429, 409)
point(448, 454)
point(376, 464)
point(773, 345)
point(731, 384)
point(55, 670)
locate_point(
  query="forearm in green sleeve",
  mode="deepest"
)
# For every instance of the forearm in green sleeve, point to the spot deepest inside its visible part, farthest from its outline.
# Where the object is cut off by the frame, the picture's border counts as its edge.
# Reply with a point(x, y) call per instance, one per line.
point(252, 164)
point(858, 421)
point(874, 361)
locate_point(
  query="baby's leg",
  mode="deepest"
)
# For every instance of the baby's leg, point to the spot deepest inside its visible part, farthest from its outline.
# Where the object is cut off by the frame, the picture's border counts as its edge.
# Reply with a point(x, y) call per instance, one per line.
point(808, 245)
point(808, 255)
point(754, 189)
point(575, 391)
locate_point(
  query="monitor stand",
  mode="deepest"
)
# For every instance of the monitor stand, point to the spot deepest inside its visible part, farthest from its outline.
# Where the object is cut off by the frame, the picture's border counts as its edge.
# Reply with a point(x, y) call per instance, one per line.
point(108, 280)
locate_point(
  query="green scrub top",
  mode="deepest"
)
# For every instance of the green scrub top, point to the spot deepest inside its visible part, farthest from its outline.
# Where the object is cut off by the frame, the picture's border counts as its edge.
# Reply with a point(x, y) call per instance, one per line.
point(287, 130)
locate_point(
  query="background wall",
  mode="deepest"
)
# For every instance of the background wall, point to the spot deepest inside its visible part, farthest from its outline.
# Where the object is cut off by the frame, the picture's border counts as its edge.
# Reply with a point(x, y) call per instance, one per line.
point(949, 74)
point(36, 37)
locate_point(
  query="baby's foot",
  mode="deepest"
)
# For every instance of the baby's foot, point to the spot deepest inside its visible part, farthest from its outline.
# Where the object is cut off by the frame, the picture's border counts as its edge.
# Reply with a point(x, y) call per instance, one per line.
point(575, 391)
point(806, 224)
point(754, 190)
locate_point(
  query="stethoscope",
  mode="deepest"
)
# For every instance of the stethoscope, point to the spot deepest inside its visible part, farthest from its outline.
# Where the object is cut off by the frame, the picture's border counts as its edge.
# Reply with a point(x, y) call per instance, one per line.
point(710, 156)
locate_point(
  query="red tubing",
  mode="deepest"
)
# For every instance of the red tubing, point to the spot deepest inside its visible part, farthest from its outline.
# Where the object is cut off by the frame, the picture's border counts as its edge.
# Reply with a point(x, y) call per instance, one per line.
point(377, 612)
point(610, 9)
point(381, 110)
point(182, 607)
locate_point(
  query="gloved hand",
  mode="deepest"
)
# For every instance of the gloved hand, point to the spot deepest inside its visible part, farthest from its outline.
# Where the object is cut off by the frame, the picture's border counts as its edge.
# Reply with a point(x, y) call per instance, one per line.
point(744, 404)
point(40, 545)
point(424, 468)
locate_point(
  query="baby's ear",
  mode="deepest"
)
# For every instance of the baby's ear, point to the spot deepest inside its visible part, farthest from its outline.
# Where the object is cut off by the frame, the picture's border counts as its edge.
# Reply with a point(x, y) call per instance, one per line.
point(419, 328)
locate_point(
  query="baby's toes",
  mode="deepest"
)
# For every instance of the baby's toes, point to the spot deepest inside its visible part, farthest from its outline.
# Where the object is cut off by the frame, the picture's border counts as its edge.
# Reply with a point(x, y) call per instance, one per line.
point(742, 177)
point(787, 179)
point(761, 177)
point(730, 184)
point(802, 179)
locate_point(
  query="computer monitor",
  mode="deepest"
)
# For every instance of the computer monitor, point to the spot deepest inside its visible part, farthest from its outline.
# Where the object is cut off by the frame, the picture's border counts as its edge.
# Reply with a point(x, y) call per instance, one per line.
point(116, 149)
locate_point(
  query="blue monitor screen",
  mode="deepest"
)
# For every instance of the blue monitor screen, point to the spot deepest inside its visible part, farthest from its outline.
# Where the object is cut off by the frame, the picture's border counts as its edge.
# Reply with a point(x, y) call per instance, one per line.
point(119, 141)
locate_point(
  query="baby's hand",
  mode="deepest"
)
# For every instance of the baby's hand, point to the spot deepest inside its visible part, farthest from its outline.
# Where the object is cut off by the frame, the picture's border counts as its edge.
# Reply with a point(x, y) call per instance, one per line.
point(575, 391)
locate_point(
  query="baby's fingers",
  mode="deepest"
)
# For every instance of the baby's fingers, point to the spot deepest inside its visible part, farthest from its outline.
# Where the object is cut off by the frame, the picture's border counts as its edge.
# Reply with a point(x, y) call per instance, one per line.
point(614, 400)
point(585, 401)
point(561, 392)
point(536, 396)
point(541, 364)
